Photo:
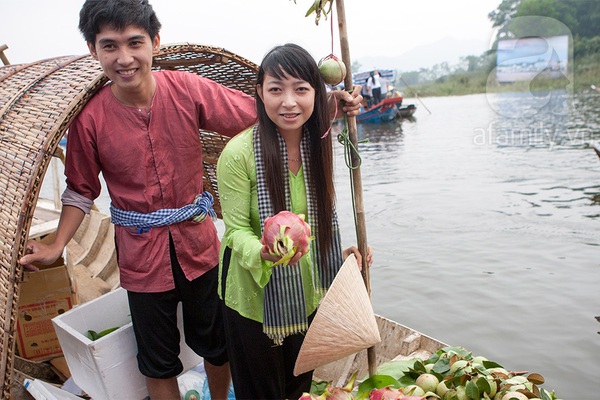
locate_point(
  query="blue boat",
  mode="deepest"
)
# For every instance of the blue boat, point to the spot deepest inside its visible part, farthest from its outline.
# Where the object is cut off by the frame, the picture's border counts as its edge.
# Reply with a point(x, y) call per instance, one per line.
point(386, 110)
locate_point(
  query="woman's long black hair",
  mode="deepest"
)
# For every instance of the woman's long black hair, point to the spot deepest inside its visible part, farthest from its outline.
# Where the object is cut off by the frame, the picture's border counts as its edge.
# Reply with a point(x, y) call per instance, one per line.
point(296, 62)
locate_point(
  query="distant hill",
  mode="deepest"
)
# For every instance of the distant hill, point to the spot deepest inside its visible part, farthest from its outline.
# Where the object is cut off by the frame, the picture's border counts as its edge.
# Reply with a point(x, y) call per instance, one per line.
point(426, 56)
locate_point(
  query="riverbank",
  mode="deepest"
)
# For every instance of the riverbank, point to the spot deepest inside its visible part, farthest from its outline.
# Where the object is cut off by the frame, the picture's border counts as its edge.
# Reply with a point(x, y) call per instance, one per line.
point(585, 72)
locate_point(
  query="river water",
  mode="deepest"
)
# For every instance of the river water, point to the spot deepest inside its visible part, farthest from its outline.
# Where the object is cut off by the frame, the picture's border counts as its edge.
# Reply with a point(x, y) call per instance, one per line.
point(483, 215)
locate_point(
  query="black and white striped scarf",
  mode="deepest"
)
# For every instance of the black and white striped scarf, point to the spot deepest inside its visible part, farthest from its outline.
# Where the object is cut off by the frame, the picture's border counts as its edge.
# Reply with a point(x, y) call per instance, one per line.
point(284, 305)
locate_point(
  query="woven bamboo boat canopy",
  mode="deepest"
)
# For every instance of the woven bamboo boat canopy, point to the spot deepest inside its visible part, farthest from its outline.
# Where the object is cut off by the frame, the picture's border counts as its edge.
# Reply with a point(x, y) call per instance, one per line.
point(38, 101)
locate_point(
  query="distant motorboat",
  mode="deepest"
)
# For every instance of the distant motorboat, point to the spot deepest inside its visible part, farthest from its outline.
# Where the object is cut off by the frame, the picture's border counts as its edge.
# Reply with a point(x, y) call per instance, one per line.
point(407, 112)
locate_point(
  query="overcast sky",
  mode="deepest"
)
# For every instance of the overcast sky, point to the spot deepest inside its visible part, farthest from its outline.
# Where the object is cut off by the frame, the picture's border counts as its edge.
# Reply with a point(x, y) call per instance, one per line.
point(39, 29)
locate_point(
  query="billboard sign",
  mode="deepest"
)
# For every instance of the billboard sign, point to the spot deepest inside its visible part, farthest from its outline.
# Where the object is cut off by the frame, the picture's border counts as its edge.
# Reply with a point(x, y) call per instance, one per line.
point(526, 58)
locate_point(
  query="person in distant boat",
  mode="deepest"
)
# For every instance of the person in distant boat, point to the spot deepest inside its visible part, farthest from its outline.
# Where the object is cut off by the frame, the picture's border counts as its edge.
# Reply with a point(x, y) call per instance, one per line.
point(374, 85)
point(285, 162)
point(366, 94)
point(384, 87)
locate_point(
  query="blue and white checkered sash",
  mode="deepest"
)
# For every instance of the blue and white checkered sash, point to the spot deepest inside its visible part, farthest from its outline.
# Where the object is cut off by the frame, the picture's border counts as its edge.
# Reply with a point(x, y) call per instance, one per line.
point(197, 211)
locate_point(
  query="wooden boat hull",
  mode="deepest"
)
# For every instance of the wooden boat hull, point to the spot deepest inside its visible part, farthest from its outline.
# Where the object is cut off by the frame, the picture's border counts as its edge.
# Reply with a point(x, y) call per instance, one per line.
point(397, 342)
point(92, 257)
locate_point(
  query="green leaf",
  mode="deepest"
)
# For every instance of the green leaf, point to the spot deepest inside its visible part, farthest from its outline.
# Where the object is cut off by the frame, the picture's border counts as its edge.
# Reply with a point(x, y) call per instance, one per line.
point(461, 351)
point(313, 8)
point(395, 368)
point(310, 11)
point(451, 395)
point(106, 332)
point(472, 390)
point(419, 366)
point(454, 381)
point(376, 382)
point(406, 380)
point(92, 335)
point(434, 357)
point(442, 366)
point(379, 381)
point(483, 385)
point(545, 395)
point(491, 364)
point(318, 387)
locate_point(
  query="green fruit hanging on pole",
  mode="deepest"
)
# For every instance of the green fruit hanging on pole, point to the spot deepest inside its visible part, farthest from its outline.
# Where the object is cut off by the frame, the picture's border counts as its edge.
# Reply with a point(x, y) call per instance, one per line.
point(332, 69)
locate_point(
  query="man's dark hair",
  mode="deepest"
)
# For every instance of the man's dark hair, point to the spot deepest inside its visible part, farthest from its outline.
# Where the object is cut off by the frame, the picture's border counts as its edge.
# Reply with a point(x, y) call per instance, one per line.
point(118, 14)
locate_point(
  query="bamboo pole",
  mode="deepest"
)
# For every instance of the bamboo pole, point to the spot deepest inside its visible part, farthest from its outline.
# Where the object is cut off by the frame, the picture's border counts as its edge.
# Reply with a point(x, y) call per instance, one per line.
point(416, 95)
point(361, 231)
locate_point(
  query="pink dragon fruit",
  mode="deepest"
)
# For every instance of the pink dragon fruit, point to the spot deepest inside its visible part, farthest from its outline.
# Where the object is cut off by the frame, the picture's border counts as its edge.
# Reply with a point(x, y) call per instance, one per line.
point(339, 394)
point(284, 234)
point(386, 393)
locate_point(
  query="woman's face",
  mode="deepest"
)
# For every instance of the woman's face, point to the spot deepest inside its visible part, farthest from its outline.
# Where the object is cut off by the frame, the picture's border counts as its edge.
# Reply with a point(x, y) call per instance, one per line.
point(289, 102)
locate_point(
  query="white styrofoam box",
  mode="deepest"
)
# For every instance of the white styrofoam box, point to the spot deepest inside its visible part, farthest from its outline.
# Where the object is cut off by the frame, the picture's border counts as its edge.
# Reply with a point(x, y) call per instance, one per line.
point(107, 368)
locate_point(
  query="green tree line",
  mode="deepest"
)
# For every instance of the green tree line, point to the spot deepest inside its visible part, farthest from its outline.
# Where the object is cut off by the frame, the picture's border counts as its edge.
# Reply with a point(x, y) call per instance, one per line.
point(475, 74)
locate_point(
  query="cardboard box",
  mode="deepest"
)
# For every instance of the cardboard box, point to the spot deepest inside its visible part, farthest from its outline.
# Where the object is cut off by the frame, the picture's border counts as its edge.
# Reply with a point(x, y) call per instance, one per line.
point(107, 368)
point(44, 294)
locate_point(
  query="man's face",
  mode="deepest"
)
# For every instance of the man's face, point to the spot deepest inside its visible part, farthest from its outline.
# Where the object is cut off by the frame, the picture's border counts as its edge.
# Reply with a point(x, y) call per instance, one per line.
point(125, 55)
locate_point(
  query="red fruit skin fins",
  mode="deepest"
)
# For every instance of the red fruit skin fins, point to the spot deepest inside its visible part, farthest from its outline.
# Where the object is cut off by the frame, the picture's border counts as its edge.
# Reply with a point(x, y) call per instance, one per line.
point(296, 229)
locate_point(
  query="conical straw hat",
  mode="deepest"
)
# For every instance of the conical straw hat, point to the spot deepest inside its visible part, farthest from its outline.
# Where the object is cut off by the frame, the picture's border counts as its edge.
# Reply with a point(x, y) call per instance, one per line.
point(344, 324)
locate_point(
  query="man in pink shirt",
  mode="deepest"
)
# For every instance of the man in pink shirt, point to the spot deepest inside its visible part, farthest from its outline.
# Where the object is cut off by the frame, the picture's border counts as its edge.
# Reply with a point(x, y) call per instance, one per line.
point(141, 132)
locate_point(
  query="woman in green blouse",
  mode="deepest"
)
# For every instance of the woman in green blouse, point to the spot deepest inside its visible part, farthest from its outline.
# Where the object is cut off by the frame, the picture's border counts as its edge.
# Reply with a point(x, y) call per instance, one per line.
point(285, 162)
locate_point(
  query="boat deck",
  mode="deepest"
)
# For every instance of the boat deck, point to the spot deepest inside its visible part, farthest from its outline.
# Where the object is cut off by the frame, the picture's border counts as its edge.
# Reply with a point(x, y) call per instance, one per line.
point(45, 219)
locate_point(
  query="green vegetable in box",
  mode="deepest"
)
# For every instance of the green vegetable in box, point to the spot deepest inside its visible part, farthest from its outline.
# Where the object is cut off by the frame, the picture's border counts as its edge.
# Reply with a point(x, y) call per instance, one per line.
point(93, 335)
